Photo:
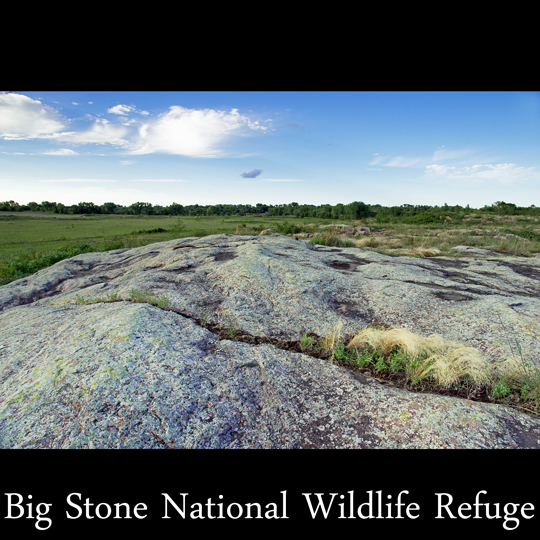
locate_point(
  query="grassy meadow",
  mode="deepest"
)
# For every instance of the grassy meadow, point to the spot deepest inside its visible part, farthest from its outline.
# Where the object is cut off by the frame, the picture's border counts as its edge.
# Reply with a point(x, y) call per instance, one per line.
point(30, 241)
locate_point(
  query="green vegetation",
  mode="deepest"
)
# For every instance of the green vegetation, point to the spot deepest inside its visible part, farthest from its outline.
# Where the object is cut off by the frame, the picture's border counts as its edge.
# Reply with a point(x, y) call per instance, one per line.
point(406, 213)
point(111, 297)
point(145, 297)
point(331, 239)
point(436, 365)
point(35, 236)
point(142, 297)
point(306, 342)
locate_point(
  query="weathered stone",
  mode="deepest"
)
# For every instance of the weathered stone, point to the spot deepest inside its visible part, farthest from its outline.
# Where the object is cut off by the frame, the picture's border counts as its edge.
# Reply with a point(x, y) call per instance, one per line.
point(478, 252)
point(340, 226)
point(126, 375)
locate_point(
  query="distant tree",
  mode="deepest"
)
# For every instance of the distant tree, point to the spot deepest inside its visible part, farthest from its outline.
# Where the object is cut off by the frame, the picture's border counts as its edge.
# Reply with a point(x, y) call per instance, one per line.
point(141, 208)
point(175, 209)
point(48, 206)
point(86, 208)
point(505, 208)
point(338, 211)
point(357, 210)
point(108, 208)
point(9, 206)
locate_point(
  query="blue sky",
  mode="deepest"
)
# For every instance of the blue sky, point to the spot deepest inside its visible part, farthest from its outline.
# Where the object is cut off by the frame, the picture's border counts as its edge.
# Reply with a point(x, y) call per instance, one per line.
point(388, 148)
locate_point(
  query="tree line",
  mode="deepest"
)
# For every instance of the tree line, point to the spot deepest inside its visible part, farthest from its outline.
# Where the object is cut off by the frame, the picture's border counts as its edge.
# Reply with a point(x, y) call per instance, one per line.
point(406, 213)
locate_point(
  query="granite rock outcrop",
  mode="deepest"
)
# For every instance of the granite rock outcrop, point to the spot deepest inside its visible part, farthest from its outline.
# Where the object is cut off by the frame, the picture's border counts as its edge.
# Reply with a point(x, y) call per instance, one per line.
point(82, 366)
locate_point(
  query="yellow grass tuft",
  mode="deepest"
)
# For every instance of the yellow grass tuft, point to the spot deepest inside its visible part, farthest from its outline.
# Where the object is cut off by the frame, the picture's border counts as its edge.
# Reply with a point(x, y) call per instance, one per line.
point(426, 252)
point(445, 361)
point(333, 337)
point(397, 338)
point(453, 364)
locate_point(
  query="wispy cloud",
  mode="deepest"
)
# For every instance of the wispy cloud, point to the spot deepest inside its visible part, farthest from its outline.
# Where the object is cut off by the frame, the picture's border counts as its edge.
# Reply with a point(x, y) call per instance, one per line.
point(444, 153)
point(61, 152)
point(461, 164)
point(505, 173)
point(402, 161)
point(101, 132)
point(251, 174)
point(397, 161)
point(124, 110)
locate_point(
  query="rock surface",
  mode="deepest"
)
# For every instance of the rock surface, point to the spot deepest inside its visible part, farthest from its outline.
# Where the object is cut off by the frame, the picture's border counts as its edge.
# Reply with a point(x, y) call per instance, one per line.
point(128, 375)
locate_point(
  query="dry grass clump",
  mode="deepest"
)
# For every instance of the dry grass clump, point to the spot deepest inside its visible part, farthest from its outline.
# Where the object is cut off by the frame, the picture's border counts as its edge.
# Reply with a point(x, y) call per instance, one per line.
point(444, 361)
point(368, 241)
point(426, 252)
point(332, 338)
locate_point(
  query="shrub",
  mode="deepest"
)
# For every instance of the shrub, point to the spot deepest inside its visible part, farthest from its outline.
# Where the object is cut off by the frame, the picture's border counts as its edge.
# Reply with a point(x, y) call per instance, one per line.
point(287, 228)
point(330, 239)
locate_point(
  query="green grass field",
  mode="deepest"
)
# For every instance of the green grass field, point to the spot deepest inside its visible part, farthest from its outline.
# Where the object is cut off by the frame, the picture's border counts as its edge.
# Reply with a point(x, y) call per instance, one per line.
point(31, 241)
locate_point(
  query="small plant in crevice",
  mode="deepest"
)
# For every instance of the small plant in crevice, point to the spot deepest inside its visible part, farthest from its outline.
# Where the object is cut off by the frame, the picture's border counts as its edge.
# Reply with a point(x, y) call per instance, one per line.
point(362, 359)
point(501, 388)
point(111, 297)
point(306, 342)
point(145, 297)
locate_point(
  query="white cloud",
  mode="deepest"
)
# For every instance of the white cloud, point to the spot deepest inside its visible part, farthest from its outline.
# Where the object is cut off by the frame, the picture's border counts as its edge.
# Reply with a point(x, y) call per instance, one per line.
point(23, 118)
point(61, 152)
point(505, 173)
point(101, 132)
point(181, 131)
point(439, 169)
point(121, 109)
point(124, 110)
point(192, 132)
point(397, 161)
point(402, 161)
